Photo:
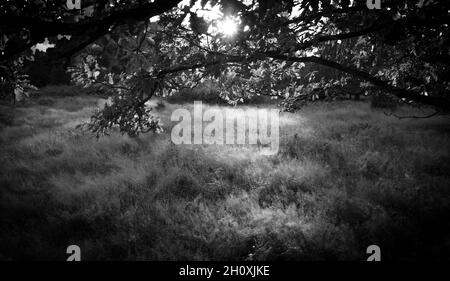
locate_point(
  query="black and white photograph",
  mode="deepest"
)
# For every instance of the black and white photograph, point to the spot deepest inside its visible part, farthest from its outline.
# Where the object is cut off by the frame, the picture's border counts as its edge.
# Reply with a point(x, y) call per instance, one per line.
point(247, 132)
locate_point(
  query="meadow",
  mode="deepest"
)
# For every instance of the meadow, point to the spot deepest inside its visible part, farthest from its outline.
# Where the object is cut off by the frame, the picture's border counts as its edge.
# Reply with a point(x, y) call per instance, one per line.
point(346, 176)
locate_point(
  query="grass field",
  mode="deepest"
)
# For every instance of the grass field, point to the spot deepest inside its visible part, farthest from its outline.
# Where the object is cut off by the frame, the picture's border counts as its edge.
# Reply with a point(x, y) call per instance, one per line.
point(345, 177)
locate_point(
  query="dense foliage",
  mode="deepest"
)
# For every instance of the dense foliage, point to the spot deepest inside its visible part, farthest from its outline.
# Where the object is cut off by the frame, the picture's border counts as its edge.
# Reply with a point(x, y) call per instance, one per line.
point(295, 50)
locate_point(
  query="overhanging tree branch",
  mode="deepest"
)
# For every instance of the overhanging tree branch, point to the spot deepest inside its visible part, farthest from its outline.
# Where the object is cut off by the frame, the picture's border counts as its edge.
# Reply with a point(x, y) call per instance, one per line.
point(438, 102)
point(40, 29)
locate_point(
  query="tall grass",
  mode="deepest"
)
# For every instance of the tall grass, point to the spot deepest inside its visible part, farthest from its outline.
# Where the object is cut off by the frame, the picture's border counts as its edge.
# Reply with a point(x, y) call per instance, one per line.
point(346, 177)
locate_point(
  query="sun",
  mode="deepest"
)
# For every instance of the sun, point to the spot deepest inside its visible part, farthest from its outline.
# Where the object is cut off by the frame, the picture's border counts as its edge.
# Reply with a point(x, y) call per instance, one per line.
point(228, 26)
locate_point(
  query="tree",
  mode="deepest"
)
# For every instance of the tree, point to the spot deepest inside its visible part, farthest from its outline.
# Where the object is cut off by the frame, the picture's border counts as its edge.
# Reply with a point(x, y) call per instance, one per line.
point(134, 50)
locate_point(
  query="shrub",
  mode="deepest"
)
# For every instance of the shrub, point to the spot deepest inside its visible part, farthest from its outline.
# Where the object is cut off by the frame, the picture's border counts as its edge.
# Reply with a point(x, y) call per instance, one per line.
point(6, 116)
point(204, 94)
point(160, 105)
point(383, 101)
point(62, 91)
point(45, 101)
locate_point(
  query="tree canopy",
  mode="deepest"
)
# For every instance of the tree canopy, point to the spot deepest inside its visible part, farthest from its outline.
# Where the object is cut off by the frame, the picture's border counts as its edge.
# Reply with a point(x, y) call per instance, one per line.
point(294, 50)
